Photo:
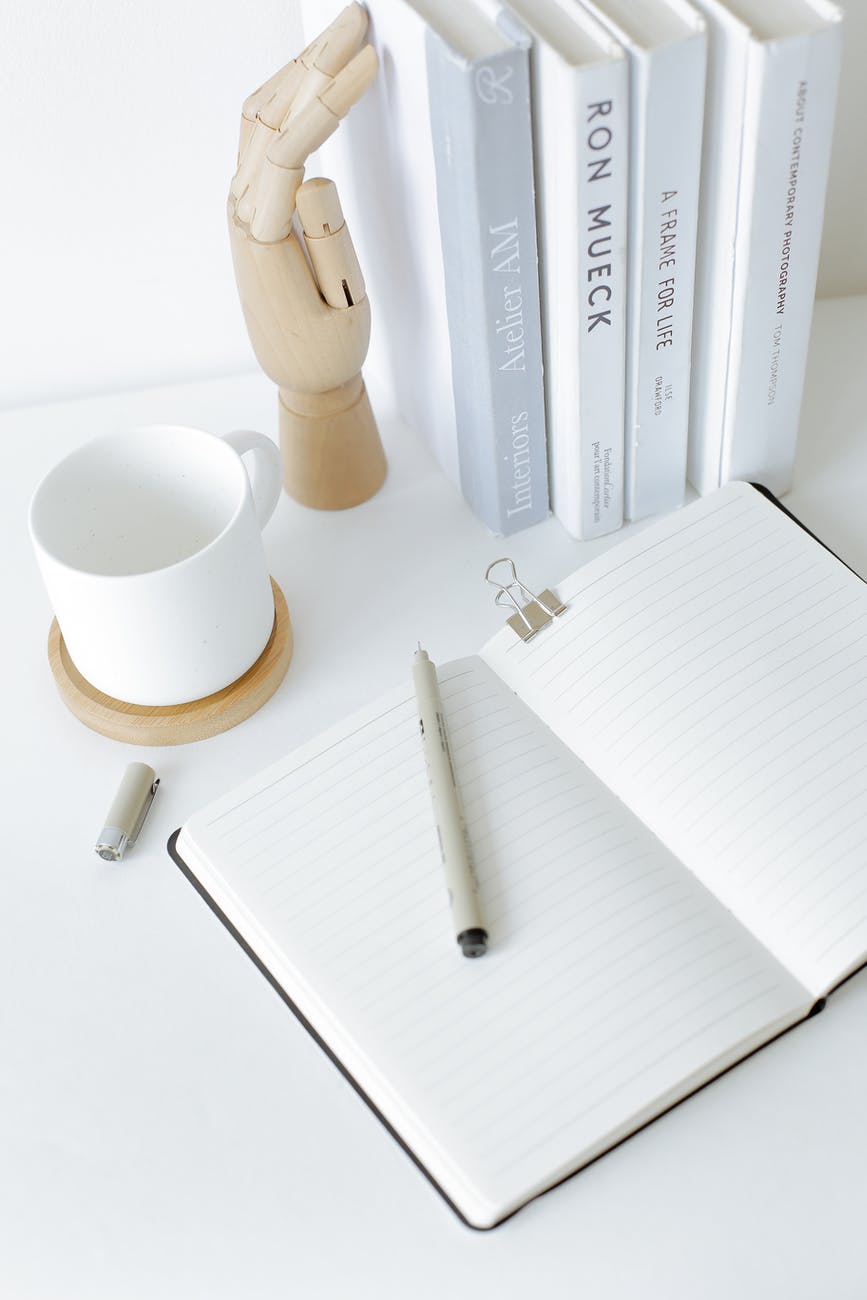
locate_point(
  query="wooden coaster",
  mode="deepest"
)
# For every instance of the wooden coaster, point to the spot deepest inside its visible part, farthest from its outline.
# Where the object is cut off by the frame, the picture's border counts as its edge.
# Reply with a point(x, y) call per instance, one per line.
point(176, 724)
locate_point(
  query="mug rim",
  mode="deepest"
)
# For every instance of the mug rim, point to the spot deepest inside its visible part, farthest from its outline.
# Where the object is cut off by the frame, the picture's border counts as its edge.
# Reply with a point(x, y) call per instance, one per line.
point(214, 440)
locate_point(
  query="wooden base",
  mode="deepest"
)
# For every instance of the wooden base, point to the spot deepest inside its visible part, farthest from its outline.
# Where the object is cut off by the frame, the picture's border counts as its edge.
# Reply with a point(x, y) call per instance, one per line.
point(332, 454)
point(176, 724)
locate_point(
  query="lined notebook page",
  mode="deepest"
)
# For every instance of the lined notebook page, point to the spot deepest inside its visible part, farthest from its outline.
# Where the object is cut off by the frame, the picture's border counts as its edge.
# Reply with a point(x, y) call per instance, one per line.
point(613, 984)
point(714, 672)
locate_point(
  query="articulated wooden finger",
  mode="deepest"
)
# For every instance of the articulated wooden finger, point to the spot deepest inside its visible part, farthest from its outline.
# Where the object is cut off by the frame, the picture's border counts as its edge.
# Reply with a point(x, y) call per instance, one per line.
point(307, 129)
point(329, 244)
point(330, 53)
point(257, 131)
point(289, 76)
point(250, 166)
point(341, 39)
point(298, 82)
point(272, 202)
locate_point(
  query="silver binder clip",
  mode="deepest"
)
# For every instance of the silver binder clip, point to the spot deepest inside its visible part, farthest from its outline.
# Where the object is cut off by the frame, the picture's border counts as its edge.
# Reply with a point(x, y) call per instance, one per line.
point(130, 806)
point(536, 612)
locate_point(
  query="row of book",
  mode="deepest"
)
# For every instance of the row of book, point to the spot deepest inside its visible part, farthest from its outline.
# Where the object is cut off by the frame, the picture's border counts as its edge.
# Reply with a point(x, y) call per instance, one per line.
point(590, 231)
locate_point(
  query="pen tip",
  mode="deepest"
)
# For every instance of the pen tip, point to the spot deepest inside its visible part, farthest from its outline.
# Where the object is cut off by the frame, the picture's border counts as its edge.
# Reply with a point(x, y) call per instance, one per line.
point(474, 943)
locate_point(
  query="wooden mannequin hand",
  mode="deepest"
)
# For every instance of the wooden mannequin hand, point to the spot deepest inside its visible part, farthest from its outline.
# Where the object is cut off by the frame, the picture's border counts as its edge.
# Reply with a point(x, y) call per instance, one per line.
point(303, 294)
point(310, 334)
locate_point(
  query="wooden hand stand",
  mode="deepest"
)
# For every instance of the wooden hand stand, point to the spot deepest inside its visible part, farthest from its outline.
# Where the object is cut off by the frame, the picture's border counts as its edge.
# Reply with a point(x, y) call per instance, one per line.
point(305, 304)
point(332, 455)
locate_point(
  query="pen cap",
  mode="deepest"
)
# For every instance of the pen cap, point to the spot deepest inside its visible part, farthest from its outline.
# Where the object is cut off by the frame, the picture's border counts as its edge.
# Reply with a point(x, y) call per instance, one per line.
point(130, 806)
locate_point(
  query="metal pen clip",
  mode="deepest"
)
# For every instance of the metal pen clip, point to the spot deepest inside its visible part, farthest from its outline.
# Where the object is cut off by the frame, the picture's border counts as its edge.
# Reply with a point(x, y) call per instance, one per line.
point(536, 613)
point(128, 810)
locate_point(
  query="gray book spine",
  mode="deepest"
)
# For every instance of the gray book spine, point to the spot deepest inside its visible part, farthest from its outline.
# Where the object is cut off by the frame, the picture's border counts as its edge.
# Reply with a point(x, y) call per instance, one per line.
point(483, 152)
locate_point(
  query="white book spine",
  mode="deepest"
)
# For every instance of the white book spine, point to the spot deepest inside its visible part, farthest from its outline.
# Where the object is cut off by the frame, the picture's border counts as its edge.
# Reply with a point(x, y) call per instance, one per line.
point(603, 214)
point(582, 129)
point(788, 125)
point(666, 112)
point(728, 44)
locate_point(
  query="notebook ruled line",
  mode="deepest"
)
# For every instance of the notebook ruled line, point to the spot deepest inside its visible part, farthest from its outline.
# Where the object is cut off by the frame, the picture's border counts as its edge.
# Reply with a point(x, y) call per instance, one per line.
point(610, 988)
point(514, 648)
point(401, 704)
point(625, 1081)
point(668, 636)
point(684, 755)
point(611, 647)
point(656, 1027)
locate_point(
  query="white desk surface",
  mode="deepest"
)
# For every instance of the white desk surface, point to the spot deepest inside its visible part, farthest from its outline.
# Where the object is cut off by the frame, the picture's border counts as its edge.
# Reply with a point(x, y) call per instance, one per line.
point(167, 1129)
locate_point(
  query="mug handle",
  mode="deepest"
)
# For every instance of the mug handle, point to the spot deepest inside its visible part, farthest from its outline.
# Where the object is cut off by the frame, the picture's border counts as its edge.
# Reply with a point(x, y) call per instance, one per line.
point(267, 477)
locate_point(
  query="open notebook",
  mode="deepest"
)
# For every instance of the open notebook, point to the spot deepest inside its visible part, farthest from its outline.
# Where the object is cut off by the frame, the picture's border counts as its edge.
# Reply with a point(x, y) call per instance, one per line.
point(666, 791)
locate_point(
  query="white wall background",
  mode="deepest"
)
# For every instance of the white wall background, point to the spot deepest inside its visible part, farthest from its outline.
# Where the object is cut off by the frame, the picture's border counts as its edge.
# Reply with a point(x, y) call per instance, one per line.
point(119, 130)
point(119, 127)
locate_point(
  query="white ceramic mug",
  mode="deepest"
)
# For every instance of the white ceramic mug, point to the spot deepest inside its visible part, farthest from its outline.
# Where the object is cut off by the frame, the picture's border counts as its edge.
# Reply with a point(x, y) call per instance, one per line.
point(150, 546)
